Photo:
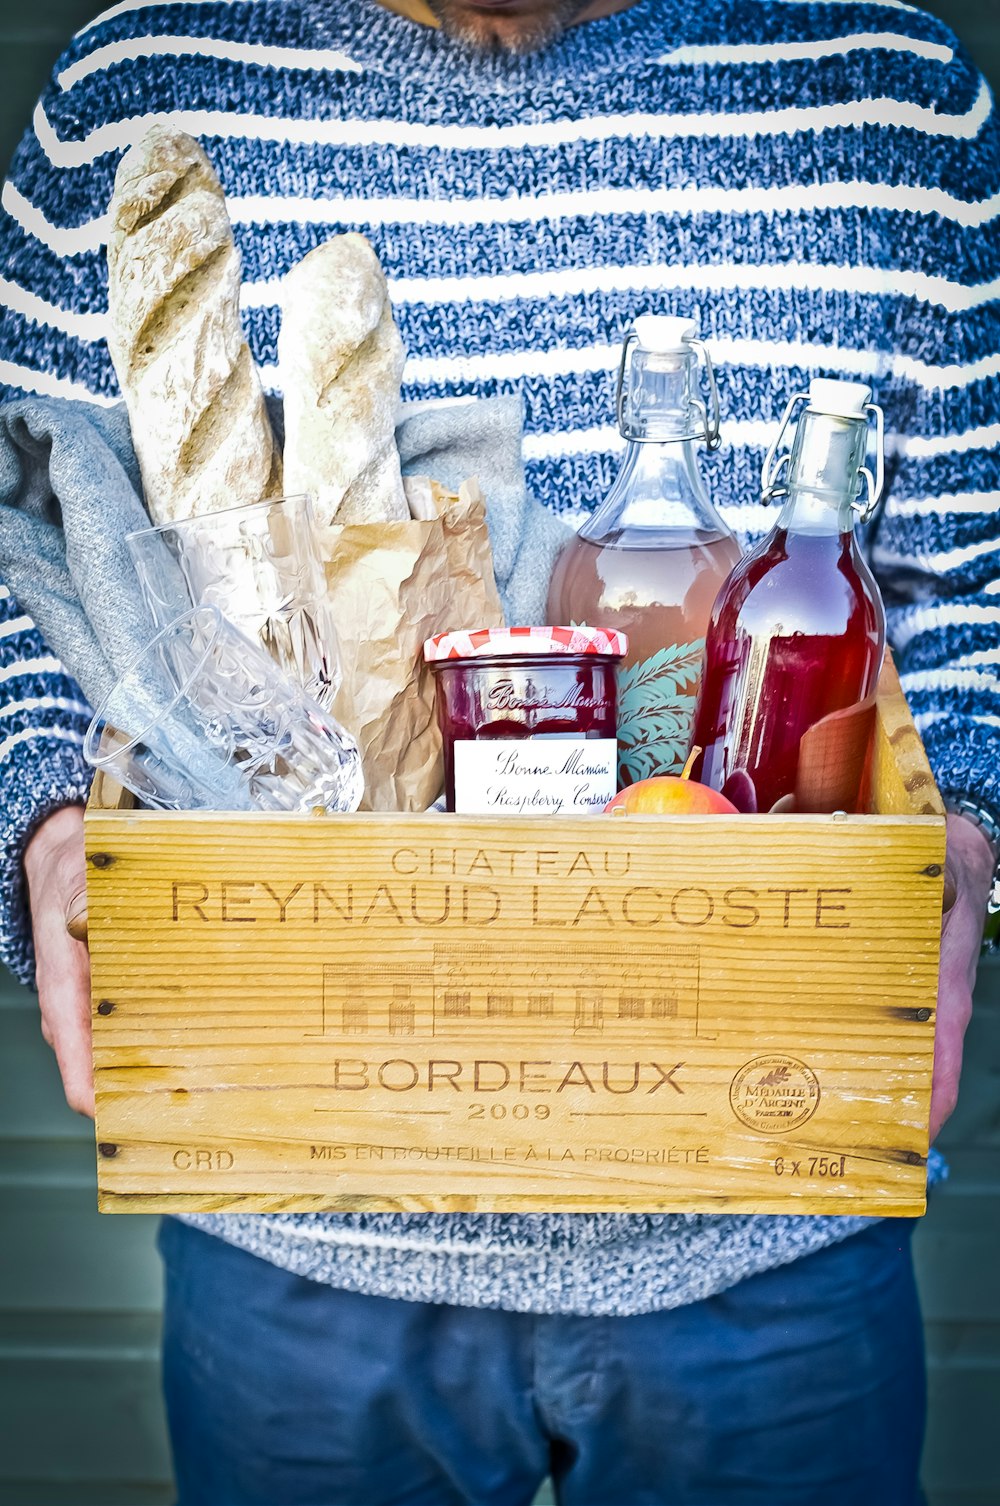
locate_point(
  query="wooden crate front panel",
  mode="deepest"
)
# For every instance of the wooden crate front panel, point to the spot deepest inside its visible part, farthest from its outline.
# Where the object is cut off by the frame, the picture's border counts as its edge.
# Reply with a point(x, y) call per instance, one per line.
point(429, 1012)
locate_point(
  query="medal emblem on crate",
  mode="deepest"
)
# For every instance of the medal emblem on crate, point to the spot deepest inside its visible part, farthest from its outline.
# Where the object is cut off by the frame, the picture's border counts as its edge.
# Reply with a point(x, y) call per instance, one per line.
point(774, 1094)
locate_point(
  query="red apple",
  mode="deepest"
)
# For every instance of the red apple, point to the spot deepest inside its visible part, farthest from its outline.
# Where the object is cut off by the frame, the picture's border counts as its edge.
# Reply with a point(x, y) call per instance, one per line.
point(671, 795)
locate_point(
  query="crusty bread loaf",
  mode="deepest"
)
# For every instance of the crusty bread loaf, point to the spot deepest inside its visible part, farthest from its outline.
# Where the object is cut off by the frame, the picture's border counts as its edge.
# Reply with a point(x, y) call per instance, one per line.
point(341, 364)
point(199, 422)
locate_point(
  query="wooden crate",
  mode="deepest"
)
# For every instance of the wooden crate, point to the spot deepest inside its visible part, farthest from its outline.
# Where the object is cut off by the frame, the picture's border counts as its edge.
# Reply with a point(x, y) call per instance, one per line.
point(461, 1013)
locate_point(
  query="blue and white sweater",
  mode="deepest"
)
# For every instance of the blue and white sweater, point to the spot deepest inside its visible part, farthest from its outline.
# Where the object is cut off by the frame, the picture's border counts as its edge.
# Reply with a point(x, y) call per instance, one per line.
point(817, 185)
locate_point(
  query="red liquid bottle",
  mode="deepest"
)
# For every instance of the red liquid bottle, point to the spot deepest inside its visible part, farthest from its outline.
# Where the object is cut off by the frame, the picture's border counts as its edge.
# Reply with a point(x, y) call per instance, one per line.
point(651, 558)
point(795, 644)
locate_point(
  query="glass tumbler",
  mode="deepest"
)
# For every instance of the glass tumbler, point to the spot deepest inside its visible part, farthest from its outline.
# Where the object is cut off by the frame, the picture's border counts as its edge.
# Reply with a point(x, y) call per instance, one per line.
point(205, 720)
point(261, 566)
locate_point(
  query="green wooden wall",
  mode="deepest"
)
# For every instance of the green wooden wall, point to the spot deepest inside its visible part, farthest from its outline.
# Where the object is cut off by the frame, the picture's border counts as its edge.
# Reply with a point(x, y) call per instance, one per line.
point(80, 1416)
point(79, 1302)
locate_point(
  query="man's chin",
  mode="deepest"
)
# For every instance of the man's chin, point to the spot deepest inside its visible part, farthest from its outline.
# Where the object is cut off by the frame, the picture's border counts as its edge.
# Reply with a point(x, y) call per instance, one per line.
point(518, 28)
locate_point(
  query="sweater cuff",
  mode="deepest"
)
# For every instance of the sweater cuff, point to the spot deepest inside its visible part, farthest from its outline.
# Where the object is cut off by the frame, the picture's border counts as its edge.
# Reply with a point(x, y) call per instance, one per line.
point(39, 779)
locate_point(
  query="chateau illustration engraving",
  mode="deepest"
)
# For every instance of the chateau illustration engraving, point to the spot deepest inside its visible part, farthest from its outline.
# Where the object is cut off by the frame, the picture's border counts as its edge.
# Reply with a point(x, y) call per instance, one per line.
point(458, 989)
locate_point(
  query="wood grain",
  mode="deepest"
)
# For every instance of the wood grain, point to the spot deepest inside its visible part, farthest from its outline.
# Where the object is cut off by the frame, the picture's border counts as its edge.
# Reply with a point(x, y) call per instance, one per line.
point(901, 780)
point(454, 1013)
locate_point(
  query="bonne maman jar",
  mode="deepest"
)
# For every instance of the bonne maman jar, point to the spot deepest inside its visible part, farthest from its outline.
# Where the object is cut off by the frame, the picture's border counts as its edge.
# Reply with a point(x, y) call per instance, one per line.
point(528, 717)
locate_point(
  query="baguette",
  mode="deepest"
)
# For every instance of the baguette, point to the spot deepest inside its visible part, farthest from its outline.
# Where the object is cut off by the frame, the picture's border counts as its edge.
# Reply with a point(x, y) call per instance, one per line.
point(341, 362)
point(199, 422)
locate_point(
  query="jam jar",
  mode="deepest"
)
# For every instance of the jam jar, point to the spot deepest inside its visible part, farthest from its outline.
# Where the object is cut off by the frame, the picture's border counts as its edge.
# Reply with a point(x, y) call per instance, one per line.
point(528, 718)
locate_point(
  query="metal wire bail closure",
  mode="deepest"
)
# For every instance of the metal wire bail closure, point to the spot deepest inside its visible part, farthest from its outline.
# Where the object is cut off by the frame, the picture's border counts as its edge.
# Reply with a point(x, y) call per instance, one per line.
point(710, 414)
point(775, 464)
point(874, 485)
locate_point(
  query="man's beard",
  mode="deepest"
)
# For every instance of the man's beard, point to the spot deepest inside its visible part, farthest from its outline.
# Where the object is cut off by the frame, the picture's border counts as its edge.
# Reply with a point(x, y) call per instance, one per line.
point(501, 32)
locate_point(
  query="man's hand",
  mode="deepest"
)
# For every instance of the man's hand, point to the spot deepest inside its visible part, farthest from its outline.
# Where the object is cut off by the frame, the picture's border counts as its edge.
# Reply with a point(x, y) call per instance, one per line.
point(54, 865)
point(968, 874)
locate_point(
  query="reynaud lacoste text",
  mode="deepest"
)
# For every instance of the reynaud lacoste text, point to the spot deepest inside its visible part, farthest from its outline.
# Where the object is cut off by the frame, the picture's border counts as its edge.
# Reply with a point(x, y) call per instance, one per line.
point(426, 903)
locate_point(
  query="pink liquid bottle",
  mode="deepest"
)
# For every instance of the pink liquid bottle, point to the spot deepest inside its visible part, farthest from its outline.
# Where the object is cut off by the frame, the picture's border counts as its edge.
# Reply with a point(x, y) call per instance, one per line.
point(794, 648)
point(651, 558)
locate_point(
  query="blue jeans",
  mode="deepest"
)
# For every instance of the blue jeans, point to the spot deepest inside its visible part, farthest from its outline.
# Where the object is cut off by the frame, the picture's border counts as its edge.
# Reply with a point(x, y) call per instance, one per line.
point(802, 1386)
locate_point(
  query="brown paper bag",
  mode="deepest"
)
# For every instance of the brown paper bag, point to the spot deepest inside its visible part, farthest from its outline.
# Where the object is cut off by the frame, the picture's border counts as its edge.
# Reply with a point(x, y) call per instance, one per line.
point(392, 585)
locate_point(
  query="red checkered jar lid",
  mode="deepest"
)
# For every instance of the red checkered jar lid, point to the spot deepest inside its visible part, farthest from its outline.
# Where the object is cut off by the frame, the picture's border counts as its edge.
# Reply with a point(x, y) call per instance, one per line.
point(492, 643)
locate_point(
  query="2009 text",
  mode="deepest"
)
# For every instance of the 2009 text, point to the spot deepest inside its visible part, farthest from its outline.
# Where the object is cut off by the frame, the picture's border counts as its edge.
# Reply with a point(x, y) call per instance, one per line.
point(516, 1111)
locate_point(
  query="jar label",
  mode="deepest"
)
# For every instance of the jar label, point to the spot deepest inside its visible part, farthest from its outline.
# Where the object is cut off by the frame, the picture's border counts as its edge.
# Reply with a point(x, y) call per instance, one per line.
point(535, 776)
point(656, 699)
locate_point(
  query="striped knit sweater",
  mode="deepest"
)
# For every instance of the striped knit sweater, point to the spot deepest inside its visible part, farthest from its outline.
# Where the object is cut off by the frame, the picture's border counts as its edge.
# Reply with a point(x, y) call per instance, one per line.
point(817, 184)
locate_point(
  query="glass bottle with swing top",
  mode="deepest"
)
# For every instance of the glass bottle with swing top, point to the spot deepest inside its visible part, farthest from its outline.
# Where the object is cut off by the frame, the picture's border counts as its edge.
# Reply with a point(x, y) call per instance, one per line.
point(795, 644)
point(650, 560)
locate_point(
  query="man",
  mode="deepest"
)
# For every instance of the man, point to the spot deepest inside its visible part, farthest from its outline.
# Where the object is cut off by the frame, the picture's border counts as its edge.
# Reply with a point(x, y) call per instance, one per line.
point(818, 187)
point(517, 26)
